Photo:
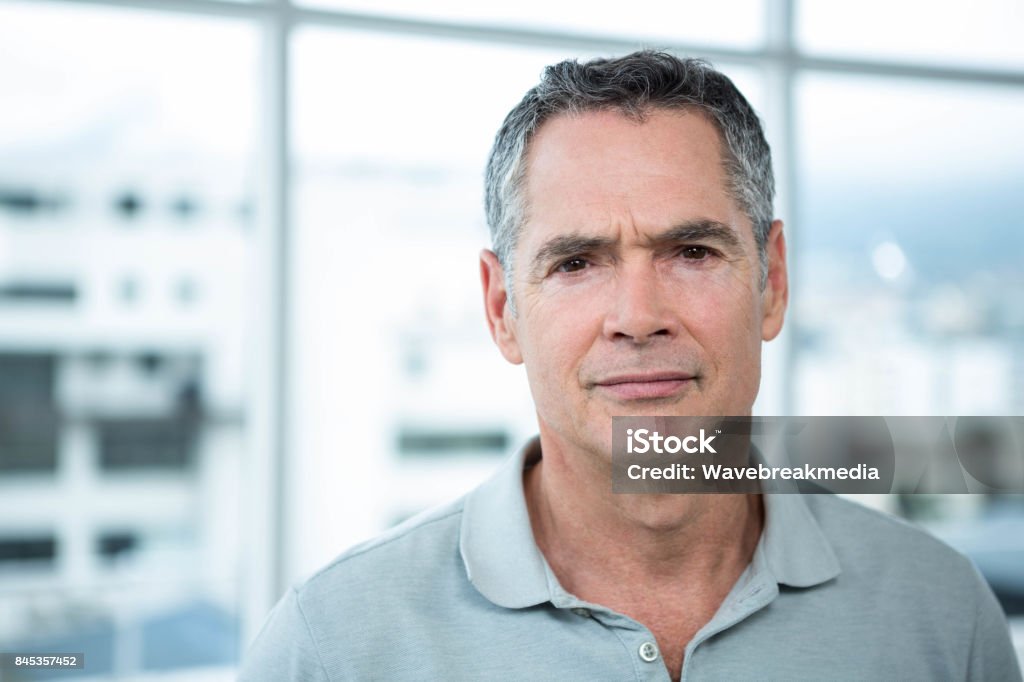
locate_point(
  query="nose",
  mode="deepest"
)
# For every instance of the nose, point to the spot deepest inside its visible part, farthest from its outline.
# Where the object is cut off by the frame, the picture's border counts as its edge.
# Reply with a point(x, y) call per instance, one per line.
point(639, 310)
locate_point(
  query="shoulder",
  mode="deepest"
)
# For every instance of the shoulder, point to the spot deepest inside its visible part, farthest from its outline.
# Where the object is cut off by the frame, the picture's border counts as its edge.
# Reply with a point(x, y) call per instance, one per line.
point(350, 608)
point(848, 523)
point(424, 547)
point(868, 539)
point(423, 530)
point(894, 572)
point(890, 565)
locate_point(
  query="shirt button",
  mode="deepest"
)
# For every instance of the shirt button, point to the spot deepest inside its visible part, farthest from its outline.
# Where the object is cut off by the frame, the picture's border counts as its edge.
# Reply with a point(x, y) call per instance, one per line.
point(648, 652)
point(585, 613)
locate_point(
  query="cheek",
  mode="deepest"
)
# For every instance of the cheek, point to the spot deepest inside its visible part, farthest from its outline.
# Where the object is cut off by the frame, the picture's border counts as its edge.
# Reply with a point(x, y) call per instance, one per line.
point(720, 311)
point(557, 332)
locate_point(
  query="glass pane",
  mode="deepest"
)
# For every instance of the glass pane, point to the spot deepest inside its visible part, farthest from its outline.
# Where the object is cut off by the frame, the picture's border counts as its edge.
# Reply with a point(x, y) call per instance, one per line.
point(390, 351)
point(983, 33)
point(125, 199)
point(738, 23)
point(911, 242)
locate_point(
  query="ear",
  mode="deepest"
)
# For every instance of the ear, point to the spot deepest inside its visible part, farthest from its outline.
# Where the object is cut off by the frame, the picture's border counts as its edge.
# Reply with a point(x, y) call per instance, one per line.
point(499, 319)
point(775, 297)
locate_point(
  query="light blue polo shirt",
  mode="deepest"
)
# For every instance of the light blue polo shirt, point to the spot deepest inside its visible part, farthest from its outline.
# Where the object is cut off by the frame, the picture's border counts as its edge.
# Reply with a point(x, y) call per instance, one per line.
point(834, 591)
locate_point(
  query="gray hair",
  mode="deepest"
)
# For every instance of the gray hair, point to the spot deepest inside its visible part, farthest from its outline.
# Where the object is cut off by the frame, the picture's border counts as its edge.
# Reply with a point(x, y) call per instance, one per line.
point(633, 85)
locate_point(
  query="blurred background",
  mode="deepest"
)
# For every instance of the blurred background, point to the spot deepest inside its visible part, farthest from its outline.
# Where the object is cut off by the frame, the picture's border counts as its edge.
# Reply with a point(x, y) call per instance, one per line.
point(240, 322)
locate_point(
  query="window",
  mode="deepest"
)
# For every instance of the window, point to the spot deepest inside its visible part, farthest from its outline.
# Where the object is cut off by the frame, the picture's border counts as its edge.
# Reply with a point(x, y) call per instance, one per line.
point(127, 143)
point(239, 313)
point(738, 23)
point(939, 32)
point(913, 227)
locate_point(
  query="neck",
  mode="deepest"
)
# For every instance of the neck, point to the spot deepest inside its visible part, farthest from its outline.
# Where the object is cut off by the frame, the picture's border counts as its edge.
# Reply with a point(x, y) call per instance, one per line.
point(595, 540)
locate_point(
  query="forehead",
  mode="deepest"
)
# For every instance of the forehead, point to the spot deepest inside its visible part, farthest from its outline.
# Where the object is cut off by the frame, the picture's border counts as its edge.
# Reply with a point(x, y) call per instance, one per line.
point(605, 168)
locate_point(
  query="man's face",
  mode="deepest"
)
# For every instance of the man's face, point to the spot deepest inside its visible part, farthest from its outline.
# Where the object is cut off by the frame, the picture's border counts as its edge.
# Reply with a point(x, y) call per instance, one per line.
point(637, 277)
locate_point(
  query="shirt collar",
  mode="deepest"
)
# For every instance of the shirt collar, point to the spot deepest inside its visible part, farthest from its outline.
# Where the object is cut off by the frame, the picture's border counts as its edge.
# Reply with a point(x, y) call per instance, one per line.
point(797, 551)
point(505, 565)
point(502, 559)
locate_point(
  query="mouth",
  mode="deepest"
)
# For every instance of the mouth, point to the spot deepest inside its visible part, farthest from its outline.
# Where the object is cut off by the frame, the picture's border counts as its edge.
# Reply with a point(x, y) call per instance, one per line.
point(647, 386)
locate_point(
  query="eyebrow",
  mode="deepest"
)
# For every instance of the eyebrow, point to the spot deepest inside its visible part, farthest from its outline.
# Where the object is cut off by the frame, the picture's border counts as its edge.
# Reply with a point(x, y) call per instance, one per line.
point(568, 245)
point(698, 230)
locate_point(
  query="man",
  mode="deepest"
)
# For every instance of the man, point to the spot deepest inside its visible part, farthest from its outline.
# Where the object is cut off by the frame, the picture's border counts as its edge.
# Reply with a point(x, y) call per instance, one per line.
point(636, 271)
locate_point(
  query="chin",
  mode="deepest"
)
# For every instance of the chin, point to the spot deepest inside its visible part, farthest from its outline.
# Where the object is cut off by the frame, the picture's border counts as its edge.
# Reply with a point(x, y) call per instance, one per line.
point(659, 408)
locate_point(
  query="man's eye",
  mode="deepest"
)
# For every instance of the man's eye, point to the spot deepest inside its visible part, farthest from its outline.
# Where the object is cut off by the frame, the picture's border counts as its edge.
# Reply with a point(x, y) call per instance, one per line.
point(572, 265)
point(696, 252)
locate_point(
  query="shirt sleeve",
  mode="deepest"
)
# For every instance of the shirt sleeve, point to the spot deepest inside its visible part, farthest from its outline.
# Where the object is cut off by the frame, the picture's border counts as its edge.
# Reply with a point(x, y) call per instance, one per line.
point(284, 649)
point(992, 654)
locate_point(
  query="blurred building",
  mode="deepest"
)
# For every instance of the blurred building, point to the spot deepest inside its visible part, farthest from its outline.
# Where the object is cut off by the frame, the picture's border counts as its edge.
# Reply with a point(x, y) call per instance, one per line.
point(121, 424)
